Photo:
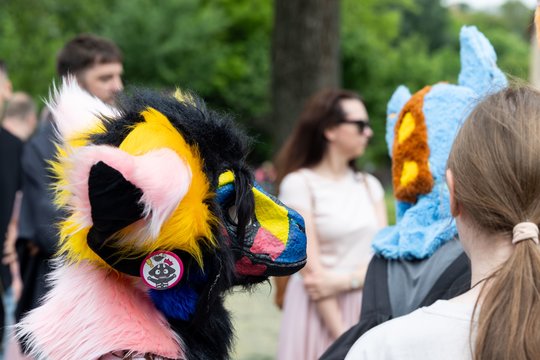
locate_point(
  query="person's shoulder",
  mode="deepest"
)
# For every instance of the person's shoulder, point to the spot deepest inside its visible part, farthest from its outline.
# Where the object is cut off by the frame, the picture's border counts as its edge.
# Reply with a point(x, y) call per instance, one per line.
point(374, 185)
point(371, 179)
point(436, 331)
point(295, 178)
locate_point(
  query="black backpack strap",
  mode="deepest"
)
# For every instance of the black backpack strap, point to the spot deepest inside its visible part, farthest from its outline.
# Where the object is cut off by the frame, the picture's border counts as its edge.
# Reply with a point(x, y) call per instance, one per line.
point(454, 281)
point(376, 309)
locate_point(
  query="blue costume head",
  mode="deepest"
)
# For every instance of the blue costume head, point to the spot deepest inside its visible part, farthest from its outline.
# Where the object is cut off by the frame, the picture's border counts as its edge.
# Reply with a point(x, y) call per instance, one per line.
point(420, 131)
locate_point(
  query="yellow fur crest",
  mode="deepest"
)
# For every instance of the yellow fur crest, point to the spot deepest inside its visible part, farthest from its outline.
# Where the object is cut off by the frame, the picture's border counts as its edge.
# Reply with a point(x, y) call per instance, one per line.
point(191, 224)
point(184, 97)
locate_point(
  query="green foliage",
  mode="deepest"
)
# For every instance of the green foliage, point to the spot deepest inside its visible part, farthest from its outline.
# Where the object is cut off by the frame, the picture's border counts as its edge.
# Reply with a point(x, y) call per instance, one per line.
point(390, 203)
point(32, 32)
point(382, 48)
point(430, 20)
point(221, 49)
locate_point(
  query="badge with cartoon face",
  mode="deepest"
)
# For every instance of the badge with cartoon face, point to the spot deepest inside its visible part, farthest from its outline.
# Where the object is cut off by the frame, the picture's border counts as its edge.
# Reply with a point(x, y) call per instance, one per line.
point(162, 270)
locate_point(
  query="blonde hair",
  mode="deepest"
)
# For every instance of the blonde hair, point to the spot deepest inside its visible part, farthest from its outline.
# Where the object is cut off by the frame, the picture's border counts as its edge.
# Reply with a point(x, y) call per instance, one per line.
point(495, 161)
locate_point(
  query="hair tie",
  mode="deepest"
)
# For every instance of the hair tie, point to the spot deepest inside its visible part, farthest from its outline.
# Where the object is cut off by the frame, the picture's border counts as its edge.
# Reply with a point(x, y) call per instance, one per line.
point(525, 231)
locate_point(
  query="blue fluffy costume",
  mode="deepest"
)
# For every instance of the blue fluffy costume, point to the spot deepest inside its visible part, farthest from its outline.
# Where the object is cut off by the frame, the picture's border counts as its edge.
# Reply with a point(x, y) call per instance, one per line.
point(423, 219)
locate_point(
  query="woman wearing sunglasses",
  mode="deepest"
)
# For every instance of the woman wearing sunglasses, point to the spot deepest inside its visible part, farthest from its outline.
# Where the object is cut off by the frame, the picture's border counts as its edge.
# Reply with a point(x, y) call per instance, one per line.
point(342, 208)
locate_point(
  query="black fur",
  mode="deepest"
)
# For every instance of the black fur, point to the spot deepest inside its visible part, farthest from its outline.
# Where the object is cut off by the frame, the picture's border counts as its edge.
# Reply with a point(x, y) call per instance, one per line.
point(221, 143)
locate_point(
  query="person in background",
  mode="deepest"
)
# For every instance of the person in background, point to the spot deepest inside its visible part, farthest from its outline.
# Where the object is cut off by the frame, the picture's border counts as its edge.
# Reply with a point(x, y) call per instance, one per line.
point(493, 177)
point(96, 64)
point(343, 209)
point(5, 87)
point(18, 123)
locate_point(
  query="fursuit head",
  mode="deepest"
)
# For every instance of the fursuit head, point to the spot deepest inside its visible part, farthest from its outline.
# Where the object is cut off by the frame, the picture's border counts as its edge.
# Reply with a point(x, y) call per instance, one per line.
point(163, 217)
point(420, 130)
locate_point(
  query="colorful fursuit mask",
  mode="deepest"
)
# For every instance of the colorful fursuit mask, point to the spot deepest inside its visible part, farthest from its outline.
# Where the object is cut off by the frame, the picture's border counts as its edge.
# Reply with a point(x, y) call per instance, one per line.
point(273, 226)
point(420, 130)
point(148, 248)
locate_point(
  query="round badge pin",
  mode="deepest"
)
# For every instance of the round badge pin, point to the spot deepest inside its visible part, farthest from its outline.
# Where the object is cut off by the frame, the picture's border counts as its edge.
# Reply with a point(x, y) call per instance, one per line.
point(161, 270)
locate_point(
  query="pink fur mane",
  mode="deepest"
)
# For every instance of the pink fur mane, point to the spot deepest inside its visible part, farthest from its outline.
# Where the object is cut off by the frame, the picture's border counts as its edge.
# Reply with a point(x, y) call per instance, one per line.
point(91, 312)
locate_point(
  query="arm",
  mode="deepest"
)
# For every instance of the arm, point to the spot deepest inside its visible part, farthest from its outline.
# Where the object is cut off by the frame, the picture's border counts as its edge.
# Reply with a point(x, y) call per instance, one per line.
point(10, 254)
point(382, 220)
point(380, 212)
point(294, 192)
point(327, 306)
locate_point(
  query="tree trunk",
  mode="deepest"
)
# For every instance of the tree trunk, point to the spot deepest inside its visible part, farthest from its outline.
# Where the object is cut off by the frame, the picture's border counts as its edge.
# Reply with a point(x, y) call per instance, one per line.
point(305, 57)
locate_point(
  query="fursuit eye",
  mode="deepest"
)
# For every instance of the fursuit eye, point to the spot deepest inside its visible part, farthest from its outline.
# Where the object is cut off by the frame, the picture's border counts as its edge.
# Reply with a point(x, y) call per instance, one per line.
point(233, 216)
point(165, 271)
point(158, 272)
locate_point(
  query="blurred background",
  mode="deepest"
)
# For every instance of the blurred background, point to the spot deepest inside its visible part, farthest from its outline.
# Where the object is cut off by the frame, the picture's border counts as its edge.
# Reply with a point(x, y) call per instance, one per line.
point(232, 51)
point(261, 59)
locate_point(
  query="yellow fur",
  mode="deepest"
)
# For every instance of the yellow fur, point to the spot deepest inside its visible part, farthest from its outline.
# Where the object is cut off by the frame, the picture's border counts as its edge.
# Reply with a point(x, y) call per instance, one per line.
point(226, 178)
point(184, 97)
point(188, 228)
point(273, 217)
point(409, 173)
point(406, 128)
point(61, 165)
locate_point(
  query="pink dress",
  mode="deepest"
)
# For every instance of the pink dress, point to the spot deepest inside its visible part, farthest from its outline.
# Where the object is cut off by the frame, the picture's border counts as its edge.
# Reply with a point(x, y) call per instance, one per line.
point(345, 221)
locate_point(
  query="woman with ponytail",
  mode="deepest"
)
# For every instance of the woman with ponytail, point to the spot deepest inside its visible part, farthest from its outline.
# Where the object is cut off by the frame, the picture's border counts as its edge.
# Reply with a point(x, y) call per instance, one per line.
point(494, 180)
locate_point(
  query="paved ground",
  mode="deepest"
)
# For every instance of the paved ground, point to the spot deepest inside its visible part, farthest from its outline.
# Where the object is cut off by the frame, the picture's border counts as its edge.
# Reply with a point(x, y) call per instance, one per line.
point(256, 320)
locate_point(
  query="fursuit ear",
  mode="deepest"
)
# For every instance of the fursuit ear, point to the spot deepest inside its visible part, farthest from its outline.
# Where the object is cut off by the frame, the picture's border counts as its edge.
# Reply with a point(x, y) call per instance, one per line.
point(396, 103)
point(115, 203)
point(479, 70)
point(161, 175)
point(75, 110)
point(244, 200)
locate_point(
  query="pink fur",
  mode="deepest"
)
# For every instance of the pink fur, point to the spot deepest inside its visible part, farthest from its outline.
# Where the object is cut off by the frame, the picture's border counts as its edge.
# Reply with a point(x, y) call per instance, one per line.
point(74, 109)
point(91, 312)
point(163, 177)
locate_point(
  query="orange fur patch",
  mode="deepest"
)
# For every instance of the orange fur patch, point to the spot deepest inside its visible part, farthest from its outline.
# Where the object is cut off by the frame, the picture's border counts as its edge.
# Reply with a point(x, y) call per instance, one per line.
point(410, 168)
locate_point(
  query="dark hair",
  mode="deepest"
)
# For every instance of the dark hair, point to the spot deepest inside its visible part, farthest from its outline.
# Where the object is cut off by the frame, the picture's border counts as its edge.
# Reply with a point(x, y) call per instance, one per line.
point(20, 106)
point(496, 170)
point(307, 144)
point(84, 51)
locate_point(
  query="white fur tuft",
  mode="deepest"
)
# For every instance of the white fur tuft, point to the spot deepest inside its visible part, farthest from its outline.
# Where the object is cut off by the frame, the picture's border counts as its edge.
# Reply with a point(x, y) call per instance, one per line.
point(75, 110)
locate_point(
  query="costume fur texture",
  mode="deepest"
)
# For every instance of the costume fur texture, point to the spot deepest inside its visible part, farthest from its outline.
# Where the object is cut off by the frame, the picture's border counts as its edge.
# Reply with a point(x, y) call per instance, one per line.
point(165, 154)
point(109, 315)
point(410, 153)
point(423, 220)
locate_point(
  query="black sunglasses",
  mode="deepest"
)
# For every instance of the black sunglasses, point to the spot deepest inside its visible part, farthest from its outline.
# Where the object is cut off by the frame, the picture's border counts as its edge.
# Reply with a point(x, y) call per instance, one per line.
point(361, 124)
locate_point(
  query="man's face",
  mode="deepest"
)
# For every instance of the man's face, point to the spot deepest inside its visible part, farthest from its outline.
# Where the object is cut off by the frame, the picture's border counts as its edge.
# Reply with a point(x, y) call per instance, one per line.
point(5, 90)
point(103, 81)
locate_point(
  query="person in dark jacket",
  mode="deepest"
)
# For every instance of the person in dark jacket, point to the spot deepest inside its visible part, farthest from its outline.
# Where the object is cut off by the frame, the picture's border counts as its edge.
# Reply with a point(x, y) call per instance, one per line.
point(18, 124)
